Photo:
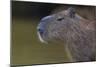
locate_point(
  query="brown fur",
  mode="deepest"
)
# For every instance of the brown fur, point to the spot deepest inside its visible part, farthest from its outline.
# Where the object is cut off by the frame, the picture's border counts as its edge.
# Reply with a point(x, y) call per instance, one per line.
point(77, 34)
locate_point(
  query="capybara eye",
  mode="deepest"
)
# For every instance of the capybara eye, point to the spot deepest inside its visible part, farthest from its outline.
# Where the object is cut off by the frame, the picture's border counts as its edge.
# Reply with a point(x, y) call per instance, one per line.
point(60, 19)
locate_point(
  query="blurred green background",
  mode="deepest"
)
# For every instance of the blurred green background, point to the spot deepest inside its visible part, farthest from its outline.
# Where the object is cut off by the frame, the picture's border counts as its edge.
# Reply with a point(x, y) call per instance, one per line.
point(26, 48)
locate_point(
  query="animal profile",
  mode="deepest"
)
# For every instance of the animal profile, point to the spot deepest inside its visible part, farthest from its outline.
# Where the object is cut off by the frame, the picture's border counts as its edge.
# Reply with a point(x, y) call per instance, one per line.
point(77, 34)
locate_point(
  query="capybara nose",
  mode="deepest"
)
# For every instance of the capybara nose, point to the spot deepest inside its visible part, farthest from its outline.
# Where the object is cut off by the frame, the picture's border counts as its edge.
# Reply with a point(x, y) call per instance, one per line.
point(40, 31)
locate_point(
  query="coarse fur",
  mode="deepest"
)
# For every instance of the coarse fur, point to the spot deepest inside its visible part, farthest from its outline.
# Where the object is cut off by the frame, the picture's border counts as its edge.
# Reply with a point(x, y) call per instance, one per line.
point(76, 33)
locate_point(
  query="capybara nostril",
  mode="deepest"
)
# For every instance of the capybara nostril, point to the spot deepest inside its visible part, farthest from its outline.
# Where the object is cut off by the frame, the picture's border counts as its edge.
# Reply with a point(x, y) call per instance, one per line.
point(40, 31)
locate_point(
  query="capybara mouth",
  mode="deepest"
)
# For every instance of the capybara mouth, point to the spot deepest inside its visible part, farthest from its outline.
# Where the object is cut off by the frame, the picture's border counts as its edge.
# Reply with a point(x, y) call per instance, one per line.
point(40, 36)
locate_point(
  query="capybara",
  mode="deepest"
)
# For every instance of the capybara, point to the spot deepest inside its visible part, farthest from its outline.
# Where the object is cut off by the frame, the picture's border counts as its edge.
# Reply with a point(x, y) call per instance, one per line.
point(76, 33)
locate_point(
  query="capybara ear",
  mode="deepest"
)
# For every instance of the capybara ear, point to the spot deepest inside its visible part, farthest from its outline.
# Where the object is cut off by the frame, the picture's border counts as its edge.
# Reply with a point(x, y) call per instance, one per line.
point(71, 12)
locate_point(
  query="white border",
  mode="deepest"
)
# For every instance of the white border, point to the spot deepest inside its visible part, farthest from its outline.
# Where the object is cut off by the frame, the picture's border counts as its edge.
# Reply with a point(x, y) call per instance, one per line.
point(82, 2)
point(4, 33)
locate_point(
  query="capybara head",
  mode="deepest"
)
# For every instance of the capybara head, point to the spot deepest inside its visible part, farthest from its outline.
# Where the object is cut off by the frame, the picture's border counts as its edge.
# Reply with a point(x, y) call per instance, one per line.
point(52, 27)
